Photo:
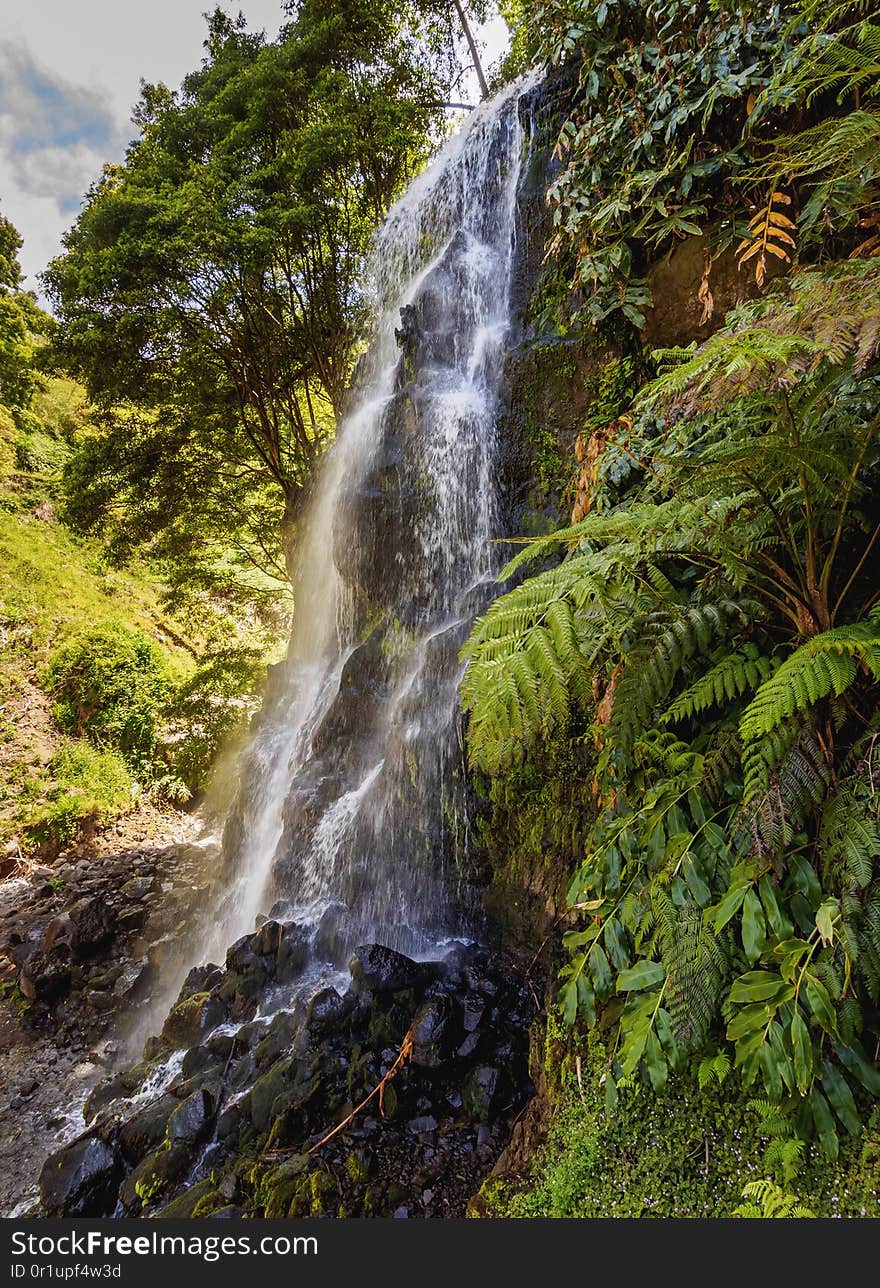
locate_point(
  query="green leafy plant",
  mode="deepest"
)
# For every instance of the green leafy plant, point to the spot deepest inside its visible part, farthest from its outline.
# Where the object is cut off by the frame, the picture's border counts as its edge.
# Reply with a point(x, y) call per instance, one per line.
point(110, 683)
point(765, 1200)
point(715, 631)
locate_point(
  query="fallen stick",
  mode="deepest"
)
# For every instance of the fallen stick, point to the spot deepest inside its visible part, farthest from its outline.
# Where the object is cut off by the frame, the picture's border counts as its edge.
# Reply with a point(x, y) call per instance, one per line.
point(400, 1060)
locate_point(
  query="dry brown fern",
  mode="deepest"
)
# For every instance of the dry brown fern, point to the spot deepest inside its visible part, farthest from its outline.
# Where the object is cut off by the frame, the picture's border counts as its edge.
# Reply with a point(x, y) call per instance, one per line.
point(770, 233)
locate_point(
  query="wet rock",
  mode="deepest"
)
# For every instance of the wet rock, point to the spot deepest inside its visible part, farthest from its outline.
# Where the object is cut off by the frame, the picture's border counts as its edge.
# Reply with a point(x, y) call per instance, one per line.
point(267, 1090)
point(431, 1033)
point(473, 1009)
point(118, 1087)
point(192, 1019)
point(46, 974)
point(146, 1127)
point(377, 969)
point(230, 1122)
point(278, 1039)
point(155, 1173)
point(201, 1058)
point(131, 919)
point(92, 924)
point(137, 888)
point(478, 1092)
point(326, 1009)
point(81, 1179)
point(133, 980)
point(469, 1046)
point(194, 1201)
point(192, 1119)
point(423, 1125)
point(201, 979)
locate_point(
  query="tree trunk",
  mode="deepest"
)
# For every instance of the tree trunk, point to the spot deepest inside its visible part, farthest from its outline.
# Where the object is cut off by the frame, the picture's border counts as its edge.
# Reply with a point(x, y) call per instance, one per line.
point(472, 46)
point(288, 530)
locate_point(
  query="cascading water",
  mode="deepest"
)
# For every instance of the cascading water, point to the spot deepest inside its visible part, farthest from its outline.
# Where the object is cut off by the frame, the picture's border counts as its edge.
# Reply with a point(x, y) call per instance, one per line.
point(350, 824)
point(350, 812)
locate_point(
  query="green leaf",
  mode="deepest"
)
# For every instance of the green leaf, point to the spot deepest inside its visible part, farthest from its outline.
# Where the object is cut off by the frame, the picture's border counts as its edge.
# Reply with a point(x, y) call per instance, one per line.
point(644, 974)
point(599, 969)
point(838, 1092)
point(580, 938)
point(867, 1073)
point(586, 1000)
point(614, 944)
point(695, 882)
point(778, 923)
point(805, 879)
point(761, 986)
point(747, 1020)
point(729, 905)
point(771, 1072)
point(753, 929)
point(825, 919)
point(655, 1063)
point(825, 1129)
point(802, 1049)
point(820, 1004)
point(568, 997)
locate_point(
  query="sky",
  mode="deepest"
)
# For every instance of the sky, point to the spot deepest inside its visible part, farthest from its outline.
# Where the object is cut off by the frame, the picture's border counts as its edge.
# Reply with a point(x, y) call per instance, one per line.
point(70, 72)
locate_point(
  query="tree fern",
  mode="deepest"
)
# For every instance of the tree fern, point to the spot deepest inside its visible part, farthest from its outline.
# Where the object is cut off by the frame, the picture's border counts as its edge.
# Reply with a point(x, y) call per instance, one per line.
point(830, 316)
point(651, 668)
point(735, 674)
point(826, 664)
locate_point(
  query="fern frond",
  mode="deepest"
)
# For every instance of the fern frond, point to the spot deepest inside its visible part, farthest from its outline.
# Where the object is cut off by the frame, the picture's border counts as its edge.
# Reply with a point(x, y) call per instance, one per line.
point(695, 971)
point(737, 673)
point(826, 664)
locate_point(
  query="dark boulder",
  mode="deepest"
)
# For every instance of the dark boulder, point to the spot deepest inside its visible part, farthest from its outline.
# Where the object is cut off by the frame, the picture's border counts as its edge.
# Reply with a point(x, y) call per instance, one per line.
point(377, 969)
point(277, 1040)
point(92, 924)
point(46, 974)
point(146, 1127)
point(201, 979)
point(432, 1033)
point(478, 1092)
point(81, 1179)
point(192, 1119)
point(189, 1021)
point(326, 1009)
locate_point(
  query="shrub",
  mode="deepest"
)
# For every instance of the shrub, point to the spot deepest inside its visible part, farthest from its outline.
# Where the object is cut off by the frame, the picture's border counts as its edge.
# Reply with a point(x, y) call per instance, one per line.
point(207, 709)
point(110, 684)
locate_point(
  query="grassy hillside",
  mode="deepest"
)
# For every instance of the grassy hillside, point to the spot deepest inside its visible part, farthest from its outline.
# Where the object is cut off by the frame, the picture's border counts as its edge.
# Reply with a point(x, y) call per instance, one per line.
point(69, 620)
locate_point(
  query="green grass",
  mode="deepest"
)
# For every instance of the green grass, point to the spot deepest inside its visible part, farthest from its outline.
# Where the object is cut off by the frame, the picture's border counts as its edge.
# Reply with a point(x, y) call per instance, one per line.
point(53, 583)
point(53, 587)
point(79, 783)
point(681, 1153)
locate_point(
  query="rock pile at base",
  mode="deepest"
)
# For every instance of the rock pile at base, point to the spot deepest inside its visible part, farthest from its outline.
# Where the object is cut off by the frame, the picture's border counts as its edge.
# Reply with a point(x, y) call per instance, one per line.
point(235, 1131)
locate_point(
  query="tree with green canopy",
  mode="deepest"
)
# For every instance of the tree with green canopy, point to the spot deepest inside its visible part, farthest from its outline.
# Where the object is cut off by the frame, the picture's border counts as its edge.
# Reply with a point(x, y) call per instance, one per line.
point(213, 280)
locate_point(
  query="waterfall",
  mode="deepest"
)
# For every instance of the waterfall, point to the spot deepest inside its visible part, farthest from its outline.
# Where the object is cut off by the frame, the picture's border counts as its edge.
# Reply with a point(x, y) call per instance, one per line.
point(351, 815)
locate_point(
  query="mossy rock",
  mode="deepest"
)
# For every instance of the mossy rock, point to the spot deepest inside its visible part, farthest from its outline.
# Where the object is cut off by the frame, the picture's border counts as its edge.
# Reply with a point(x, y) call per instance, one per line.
point(356, 1167)
point(202, 1195)
point(281, 1186)
point(155, 1173)
point(267, 1091)
point(312, 1195)
point(191, 1019)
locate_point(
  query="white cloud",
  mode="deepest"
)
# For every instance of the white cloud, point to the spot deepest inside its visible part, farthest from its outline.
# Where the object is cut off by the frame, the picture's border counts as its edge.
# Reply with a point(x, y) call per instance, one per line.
point(69, 77)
